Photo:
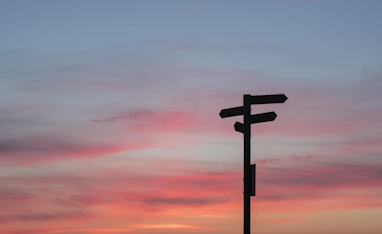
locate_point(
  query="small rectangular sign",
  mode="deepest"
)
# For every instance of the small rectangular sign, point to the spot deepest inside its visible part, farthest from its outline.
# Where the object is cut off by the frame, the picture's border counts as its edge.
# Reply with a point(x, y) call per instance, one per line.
point(253, 180)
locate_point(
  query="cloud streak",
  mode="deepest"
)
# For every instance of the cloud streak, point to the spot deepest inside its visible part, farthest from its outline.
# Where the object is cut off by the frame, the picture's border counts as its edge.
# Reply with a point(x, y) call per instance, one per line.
point(50, 149)
point(142, 121)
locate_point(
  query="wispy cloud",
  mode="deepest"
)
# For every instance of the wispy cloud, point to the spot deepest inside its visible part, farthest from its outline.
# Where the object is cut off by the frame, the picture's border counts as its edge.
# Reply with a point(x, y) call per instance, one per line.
point(322, 183)
point(45, 217)
point(155, 121)
point(42, 149)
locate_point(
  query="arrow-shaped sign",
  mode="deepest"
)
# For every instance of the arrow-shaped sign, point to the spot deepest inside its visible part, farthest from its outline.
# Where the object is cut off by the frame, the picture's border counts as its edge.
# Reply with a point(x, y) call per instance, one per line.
point(229, 112)
point(239, 127)
point(258, 99)
point(258, 118)
point(263, 117)
point(265, 99)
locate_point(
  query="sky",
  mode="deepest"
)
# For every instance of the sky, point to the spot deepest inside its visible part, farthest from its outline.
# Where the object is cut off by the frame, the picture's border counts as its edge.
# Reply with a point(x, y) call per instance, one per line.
point(109, 116)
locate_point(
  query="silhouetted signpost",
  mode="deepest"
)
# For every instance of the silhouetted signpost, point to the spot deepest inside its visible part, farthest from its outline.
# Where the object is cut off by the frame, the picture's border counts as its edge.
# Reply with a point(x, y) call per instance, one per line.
point(245, 128)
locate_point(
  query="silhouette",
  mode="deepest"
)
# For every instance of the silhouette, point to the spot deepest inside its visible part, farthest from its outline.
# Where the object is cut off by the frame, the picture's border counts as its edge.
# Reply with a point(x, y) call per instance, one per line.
point(245, 128)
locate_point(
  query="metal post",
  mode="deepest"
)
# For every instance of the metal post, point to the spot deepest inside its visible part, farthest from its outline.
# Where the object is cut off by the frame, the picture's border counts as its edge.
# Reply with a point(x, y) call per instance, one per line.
point(247, 163)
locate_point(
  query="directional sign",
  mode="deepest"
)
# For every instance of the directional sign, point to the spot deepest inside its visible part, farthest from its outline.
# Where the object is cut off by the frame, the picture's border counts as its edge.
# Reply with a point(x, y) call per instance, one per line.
point(263, 117)
point(234, 111)
point(245, 128)
point(258, 118)
point(239, 127)
point(265, 99)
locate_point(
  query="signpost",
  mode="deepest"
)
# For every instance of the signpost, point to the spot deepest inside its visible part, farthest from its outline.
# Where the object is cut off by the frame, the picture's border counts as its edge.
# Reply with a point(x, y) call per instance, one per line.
point(245, 128)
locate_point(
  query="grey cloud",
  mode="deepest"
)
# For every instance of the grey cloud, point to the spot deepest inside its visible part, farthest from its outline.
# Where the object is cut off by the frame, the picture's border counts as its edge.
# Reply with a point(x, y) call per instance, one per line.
point(129, 115)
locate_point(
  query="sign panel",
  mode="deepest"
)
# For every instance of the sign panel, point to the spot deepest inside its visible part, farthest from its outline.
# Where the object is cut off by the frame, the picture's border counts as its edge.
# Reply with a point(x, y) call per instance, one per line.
point(239, 127)
point(263, 117)
point(229, 112)
point(265, 99)
point(253, 180)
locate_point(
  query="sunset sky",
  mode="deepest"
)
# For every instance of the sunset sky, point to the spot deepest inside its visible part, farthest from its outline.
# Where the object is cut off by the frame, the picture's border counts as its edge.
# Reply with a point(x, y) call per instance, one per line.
point(109, 116)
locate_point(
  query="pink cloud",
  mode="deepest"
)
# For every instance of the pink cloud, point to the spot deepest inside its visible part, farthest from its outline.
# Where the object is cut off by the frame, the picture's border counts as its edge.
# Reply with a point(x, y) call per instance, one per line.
point(319, 183)
point(315, 183)
point(166, 122)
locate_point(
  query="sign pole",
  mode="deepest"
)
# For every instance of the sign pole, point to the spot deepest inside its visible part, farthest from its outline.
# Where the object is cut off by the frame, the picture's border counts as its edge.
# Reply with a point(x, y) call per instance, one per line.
point(247, 163)
point(245, 128)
